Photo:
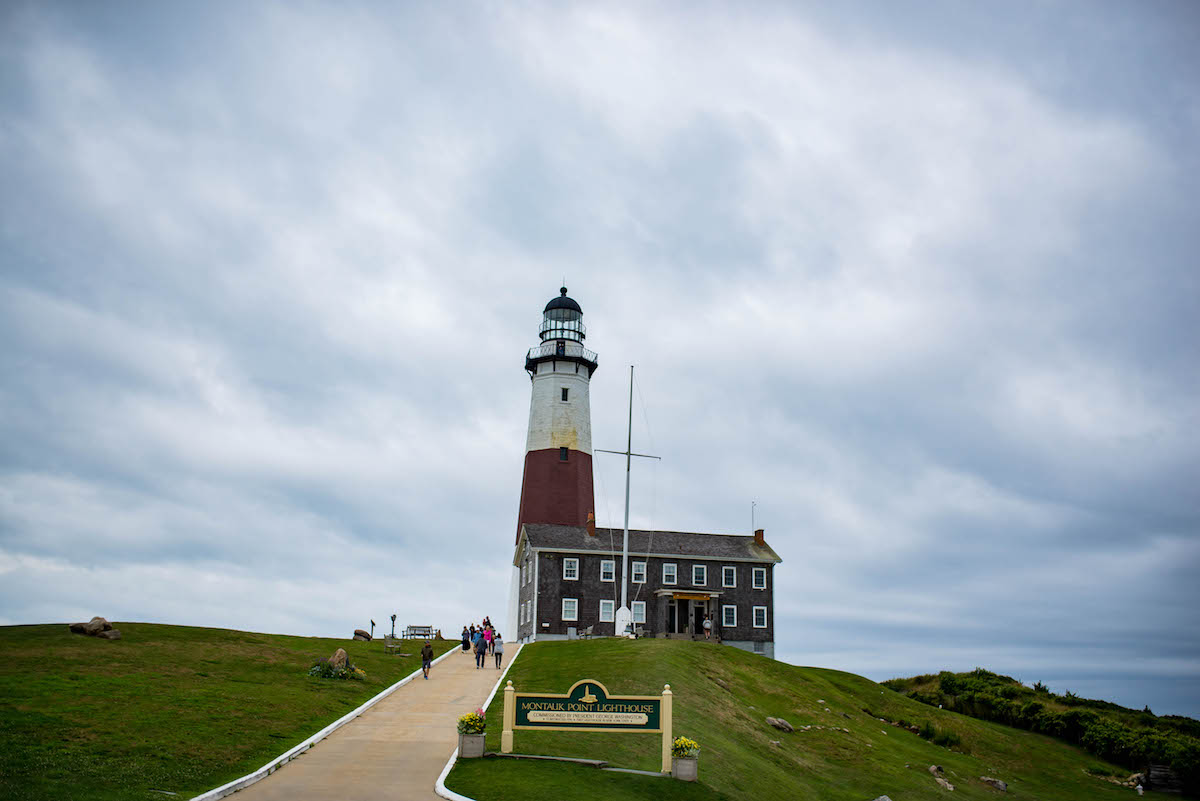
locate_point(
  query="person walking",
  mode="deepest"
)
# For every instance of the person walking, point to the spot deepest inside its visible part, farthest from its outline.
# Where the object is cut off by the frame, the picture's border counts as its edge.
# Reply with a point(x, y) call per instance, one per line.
point(708, 627)
point(480, 650)
point(426, 659)
point(487, 636)
point(498, 648)
point(466, 640)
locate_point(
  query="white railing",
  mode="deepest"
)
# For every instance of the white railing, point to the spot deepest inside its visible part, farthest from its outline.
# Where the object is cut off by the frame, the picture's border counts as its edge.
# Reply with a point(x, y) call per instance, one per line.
point(569, 350)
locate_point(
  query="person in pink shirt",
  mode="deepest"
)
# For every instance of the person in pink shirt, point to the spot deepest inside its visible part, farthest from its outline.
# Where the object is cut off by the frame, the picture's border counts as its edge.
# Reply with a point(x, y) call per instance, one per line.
point(487, 638)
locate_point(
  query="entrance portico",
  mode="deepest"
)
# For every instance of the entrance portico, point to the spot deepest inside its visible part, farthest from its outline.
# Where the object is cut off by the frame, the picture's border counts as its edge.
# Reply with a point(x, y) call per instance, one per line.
point(682, 612)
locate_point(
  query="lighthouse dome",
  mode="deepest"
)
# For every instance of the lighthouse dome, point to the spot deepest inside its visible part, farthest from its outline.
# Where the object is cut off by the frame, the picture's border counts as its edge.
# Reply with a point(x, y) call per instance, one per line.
point(563, 302)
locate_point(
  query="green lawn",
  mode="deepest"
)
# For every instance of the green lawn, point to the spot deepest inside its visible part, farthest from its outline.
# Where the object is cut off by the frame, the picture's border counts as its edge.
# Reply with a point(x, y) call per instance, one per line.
point(738, 759)
point(169, 708)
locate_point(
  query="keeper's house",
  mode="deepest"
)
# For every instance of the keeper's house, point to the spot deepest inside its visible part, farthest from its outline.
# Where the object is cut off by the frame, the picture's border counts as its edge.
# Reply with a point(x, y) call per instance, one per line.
point(569, 581)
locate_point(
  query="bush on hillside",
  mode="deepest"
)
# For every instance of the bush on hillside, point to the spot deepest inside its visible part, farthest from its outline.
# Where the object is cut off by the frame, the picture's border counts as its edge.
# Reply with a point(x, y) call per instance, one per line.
point(1125, 737)
point(323, 669)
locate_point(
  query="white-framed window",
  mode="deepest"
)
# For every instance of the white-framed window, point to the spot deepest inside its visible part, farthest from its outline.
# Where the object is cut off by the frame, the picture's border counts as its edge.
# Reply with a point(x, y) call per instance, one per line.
point(638, 608)
point(699, 575)
point(728, 576)
point(608, 570)
point(570, 609)
point(760, 578)
point(760, 617)
point(606, 611)
point(669, 572)
point(729, 615)
point(638, 573)
point(571, 569)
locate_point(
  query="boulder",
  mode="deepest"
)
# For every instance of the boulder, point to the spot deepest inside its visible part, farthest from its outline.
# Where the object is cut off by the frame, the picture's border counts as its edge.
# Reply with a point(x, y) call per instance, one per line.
point(882, 798)
point(780, 724)
point(339, 659)
point(361, 635)
point(111, 634)
point(935, 769)
point(78, 628)
point(97, 625)
point(943, 783)
point(999, 785)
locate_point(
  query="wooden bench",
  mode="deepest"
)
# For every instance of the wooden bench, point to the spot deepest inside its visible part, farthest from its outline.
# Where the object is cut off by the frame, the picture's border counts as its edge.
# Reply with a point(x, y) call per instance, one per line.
point(391, 645)
point(586, 634)
point(639, 631)
point(418, 633)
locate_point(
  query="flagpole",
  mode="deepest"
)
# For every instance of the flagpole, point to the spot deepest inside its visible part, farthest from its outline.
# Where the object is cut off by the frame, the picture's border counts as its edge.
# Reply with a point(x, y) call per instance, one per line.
point(628, 460)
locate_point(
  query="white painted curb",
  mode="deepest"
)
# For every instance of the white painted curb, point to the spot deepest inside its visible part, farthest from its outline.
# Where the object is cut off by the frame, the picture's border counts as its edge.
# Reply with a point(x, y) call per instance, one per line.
point(440, 788)
point(276, 763)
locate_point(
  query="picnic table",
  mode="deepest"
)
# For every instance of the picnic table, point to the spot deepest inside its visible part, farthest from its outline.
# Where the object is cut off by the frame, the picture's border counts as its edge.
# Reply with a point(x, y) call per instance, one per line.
point(418, 632)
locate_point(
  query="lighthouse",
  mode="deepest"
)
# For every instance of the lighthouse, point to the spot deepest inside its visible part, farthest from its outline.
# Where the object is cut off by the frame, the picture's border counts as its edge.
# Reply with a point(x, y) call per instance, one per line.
point(557, 483)
point(568, 577)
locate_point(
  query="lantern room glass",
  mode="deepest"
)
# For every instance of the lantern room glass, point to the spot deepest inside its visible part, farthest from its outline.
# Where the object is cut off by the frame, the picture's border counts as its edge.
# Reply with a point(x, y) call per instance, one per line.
point(562, 324)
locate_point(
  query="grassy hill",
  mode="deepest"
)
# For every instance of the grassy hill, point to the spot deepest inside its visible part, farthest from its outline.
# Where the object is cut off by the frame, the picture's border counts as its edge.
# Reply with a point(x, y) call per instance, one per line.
point(171, 708)
point(722, 697)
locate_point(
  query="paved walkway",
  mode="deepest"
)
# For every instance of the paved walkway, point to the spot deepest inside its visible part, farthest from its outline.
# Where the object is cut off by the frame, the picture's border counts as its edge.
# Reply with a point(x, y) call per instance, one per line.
point(394, 750)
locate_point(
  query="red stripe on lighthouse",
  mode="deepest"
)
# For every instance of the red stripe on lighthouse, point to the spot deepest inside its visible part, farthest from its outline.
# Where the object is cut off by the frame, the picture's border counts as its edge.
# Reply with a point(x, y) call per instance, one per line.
point(556, 491)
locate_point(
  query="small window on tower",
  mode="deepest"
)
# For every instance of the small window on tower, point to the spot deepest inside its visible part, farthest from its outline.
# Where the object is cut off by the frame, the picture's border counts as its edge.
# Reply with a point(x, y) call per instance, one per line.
point(565, 392)
point(562, 454)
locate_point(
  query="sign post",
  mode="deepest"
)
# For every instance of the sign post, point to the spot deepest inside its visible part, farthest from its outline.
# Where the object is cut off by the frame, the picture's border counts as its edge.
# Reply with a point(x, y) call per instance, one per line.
point(588, 706)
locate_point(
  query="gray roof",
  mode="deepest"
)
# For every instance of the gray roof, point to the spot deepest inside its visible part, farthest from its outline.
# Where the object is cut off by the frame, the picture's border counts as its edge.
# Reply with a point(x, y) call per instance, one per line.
point(666, 543)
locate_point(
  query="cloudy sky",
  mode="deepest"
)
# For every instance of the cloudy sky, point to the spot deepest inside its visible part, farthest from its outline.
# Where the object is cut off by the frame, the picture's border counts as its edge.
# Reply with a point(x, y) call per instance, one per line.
point(919, 280)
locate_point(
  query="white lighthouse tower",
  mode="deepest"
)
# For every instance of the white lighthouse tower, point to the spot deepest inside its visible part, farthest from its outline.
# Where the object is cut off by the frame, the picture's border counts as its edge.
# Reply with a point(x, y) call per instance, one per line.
point(557, 483)
point(557, 486)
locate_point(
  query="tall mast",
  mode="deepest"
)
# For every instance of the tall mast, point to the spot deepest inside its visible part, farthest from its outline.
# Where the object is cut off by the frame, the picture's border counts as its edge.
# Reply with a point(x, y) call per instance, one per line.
point(628, 459)
point(623, 615)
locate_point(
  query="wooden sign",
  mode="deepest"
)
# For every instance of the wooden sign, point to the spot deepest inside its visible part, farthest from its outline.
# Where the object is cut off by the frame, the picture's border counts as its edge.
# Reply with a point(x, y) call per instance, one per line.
point(588, 706)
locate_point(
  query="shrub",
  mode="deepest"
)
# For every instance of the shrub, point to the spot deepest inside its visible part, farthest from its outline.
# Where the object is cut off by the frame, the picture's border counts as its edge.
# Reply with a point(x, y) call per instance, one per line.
point(947, 739)
point(324, 670)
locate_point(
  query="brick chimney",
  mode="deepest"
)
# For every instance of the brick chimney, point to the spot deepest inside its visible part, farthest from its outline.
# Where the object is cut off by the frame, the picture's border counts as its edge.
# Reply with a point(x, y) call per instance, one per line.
point(591, 524)
point(758, 537)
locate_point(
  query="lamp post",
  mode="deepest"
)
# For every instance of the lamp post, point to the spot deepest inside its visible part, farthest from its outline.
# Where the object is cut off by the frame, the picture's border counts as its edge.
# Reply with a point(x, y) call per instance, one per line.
point(393, 627)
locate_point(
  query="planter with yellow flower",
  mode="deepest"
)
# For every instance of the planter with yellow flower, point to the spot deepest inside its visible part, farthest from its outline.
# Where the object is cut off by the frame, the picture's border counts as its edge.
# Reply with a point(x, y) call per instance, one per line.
point(471, 735)
point(685, 759)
